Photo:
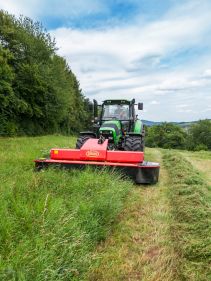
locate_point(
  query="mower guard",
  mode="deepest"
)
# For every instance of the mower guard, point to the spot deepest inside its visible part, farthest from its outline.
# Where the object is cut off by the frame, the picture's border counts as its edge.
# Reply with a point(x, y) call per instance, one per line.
point(92, 153)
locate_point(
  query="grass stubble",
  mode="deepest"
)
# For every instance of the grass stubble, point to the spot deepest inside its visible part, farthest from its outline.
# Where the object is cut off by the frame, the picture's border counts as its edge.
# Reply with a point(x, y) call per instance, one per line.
point(201, 160)
point(164, 231)
point(140, 247)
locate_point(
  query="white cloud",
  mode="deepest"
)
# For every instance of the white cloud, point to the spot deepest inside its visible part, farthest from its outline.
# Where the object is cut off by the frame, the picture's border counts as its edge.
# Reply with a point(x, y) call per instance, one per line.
point(135, 60)
point(154, 102)
point(127, 61)
point(19, 8)
point(56, 8)
point(207, 109)
point(207, 73)
point(182, 105)
point(186, 110)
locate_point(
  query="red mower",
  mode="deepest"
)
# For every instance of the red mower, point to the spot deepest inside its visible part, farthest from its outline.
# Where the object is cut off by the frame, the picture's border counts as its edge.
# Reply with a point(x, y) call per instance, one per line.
point(117, 142)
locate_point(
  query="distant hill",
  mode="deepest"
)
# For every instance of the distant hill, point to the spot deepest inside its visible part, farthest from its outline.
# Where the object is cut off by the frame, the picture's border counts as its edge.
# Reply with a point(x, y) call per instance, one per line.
point(181, 124)
point(150, 123)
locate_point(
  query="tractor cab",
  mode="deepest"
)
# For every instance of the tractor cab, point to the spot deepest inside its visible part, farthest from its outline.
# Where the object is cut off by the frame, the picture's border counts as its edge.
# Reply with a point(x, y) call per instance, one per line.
point(119, 111)
point(116, 121)
point(122, 110)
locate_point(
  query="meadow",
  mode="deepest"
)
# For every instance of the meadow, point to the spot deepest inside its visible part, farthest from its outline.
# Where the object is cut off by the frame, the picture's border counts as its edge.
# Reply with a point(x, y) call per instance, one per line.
point(96, 225)
point(52, 220)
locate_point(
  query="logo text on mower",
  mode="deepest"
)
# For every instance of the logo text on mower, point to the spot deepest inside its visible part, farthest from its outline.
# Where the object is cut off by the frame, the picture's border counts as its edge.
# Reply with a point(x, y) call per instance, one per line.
point(92, 153)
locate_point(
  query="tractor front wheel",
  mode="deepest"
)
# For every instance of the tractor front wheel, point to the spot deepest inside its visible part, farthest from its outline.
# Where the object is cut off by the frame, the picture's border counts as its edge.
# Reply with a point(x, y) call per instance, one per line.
point(134, 144)
point(81, 140)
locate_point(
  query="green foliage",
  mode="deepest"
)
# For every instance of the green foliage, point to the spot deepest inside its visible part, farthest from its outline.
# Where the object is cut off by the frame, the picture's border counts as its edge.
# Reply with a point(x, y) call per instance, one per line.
point(199, 136)
point(39, 94)
point(8, 99)
point(166, 135)
point(200, 147)
point(54, 219)
point(190, 201)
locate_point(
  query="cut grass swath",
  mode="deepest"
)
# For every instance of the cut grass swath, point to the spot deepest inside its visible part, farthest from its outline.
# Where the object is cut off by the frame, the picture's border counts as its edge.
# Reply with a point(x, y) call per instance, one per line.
point(190, 199)
point(140, 247)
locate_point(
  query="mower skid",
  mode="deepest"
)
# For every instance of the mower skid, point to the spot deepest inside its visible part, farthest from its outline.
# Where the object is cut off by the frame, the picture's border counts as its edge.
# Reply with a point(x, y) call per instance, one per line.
point(148, 173)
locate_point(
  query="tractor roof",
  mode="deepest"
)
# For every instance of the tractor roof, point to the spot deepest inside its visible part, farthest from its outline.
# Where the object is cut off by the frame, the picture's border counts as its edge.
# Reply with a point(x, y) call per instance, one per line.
point(118, 101)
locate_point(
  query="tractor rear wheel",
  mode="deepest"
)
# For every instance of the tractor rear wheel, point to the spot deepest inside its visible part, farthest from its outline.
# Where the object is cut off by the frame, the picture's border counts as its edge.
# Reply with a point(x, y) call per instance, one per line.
point(81, 140)
point(134, 144)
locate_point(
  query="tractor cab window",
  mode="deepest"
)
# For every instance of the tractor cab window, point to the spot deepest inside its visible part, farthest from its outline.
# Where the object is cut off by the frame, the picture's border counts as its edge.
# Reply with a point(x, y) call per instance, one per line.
point(116, 111)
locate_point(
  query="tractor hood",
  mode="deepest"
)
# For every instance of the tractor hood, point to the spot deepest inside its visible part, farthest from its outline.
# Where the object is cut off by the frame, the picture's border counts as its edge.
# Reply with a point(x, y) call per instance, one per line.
point(113, 127)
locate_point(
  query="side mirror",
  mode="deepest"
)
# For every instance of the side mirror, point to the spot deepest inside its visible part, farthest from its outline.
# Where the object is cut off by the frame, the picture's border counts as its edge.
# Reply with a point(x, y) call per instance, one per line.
point(140, 106)
point(95, 108)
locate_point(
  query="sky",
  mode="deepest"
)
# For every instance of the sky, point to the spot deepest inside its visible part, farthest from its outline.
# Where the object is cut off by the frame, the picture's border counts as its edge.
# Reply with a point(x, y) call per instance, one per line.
point(156, 51)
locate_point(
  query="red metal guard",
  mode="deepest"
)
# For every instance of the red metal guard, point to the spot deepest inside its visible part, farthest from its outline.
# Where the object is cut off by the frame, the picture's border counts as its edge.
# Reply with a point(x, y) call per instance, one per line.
point(93, 151)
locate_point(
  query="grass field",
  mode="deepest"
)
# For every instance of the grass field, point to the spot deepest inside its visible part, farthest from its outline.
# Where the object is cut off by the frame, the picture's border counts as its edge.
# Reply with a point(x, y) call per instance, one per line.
point(58, 225)
point(51, 221)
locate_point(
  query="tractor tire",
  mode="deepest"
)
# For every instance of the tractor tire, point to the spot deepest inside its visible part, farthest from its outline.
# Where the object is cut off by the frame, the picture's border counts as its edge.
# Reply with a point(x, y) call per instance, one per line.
point(134, 144)
point(81, 140)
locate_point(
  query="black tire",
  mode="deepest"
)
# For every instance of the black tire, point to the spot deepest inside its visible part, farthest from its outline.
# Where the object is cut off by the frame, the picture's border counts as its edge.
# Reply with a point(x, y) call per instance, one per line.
point(134, 144)
point(81, 140)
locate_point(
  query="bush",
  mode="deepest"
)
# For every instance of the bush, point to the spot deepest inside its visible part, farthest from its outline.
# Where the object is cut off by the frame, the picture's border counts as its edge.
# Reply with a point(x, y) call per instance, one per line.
point(199, 136)
point(200, 147)
point(166, 135)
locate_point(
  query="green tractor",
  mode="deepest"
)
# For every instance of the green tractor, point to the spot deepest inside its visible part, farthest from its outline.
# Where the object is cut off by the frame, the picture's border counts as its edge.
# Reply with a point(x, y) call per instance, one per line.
point(116, 121)
point(116, 142)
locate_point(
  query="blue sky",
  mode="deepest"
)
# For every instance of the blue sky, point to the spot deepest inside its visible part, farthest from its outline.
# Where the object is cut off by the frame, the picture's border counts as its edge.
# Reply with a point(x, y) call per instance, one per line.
point(156, 51)
point(106, 13)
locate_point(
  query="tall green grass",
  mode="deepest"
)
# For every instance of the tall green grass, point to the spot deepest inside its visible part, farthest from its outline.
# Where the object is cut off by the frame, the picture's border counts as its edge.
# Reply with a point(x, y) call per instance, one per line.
point(51, 221)
point(190, 200)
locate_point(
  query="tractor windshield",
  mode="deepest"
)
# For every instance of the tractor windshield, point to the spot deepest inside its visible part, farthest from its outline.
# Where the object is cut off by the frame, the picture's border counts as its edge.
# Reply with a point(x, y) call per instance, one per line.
point(115, 111)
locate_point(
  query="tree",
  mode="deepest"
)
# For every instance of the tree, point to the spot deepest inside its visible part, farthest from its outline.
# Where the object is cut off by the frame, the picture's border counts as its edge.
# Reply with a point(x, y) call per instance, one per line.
point(199, 136)
point(39, 94)
point(8, 100)
point(166, 135)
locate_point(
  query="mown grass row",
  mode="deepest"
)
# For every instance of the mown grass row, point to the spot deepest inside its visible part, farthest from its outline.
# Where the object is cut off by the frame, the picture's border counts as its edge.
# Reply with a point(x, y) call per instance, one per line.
point(190, 200)
point(51, 221)
point(140, 247)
